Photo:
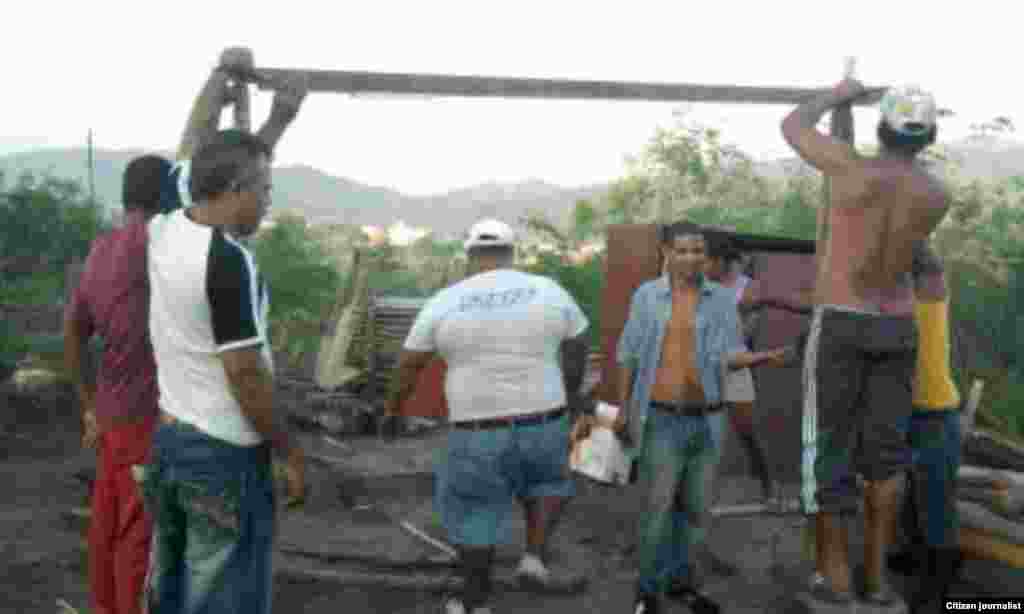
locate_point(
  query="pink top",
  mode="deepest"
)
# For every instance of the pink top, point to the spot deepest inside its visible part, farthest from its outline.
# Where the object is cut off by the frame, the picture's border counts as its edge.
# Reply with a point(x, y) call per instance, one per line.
point(112, 300)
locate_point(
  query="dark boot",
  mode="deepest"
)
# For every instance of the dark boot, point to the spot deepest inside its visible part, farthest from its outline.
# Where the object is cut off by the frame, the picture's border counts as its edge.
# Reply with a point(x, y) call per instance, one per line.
point(908, 561)
point(941, 570)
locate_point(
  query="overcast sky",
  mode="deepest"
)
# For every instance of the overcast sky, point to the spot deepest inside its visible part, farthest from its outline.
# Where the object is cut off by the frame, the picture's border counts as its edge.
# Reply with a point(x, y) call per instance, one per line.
point(129, 71)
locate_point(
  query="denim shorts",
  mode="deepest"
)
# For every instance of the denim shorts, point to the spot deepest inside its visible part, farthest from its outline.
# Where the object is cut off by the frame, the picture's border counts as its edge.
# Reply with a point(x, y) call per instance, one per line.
point(212, 504)
point(482, 473)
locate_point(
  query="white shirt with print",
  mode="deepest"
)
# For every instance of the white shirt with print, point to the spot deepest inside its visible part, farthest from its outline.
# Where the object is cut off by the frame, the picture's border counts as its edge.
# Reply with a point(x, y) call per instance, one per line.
point(500, 333)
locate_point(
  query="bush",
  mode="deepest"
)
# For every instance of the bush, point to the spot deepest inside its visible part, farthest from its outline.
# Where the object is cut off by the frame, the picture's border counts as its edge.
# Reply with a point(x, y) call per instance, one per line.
point(584, 282)
point(303, 286)
point(49, 221)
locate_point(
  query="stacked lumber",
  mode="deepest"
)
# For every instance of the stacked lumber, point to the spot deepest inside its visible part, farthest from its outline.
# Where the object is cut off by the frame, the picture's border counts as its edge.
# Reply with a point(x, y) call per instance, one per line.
point(390, 320)
point(990, 492)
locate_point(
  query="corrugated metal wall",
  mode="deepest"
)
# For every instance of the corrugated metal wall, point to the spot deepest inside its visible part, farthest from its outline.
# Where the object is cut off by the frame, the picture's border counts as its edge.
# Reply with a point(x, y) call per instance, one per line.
point(391, 319)
point(779, 390)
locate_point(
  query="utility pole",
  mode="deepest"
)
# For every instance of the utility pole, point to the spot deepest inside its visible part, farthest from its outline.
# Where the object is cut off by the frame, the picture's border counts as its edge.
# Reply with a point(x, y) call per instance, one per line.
point(92, 172)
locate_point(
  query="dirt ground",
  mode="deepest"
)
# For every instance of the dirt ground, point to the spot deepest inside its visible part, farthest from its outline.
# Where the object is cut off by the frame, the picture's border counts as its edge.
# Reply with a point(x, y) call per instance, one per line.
point(361, 489)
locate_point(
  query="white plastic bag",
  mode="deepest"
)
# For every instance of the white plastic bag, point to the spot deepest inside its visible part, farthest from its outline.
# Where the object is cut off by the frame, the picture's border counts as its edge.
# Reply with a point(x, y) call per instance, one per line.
point(600, 456)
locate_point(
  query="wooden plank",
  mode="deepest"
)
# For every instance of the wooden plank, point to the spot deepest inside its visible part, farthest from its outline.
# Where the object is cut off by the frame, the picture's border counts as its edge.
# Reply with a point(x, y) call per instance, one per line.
point(242, 113)
point(978, 544)
point(355, 82)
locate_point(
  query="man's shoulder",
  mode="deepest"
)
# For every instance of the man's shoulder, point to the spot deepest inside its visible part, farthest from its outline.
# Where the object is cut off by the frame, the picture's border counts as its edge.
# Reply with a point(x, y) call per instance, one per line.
point(651, 286)
point(717, 293)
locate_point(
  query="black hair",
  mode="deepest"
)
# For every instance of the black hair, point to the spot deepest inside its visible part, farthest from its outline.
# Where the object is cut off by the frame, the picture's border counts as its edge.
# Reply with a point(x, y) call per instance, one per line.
point(221, 162)
point(722, 247)
point(143, 178)
point(669, 232)
point(910, 145)
point(492, 251)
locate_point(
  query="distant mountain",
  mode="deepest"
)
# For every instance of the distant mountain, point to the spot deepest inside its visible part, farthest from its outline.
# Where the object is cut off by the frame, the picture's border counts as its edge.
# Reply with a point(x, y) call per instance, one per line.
point(981, 158)
point(324, 198)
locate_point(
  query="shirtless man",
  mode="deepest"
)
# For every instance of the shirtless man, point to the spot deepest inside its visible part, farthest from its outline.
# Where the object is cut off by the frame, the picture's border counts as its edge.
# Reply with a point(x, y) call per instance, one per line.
point(861, 350)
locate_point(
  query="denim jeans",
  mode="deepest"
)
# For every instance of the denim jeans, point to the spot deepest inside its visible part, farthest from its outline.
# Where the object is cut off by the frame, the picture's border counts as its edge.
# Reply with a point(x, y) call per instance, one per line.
point(678, 466)
point(213, 510)
point(482, 473)
point(929, 511)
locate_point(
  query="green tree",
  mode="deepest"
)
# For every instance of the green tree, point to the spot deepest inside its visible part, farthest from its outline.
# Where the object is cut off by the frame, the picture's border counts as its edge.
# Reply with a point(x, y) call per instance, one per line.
point(303, 284)
point(50, 222)
point(629, 200)
point(583, 282)
point(584, 221)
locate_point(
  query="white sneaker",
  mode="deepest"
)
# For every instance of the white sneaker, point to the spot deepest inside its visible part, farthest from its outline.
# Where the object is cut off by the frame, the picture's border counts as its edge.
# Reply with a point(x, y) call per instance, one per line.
point(454, 605)
point(530, 565)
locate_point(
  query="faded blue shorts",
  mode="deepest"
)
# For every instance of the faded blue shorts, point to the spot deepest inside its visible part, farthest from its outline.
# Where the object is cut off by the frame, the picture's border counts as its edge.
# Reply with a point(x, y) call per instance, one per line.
point(482, 473)
point(212, 504)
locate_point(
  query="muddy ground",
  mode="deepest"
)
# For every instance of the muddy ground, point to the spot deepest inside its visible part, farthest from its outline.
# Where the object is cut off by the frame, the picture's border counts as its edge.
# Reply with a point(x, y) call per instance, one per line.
point(362, 489)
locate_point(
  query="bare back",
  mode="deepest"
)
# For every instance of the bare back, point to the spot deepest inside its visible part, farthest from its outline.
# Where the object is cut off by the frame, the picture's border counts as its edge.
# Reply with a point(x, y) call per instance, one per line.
point(879, 212)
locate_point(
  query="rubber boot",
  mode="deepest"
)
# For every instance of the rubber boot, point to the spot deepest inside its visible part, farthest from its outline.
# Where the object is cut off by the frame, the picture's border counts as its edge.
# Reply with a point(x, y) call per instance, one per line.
point(937, 576)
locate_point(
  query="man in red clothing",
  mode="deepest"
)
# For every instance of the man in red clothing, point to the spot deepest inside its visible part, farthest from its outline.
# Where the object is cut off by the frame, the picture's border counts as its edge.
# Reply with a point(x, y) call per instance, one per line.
point(119, 410)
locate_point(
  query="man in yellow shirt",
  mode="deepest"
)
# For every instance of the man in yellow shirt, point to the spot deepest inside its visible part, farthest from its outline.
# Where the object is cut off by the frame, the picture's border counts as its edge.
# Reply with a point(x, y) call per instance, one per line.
point(930, 518)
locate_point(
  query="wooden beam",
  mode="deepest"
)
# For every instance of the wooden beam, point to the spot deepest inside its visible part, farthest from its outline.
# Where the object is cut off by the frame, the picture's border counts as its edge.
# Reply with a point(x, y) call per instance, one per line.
point(356, 82)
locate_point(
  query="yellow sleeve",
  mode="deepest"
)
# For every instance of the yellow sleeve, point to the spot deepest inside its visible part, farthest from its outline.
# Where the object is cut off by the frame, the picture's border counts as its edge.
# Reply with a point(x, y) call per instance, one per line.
point(933, 380)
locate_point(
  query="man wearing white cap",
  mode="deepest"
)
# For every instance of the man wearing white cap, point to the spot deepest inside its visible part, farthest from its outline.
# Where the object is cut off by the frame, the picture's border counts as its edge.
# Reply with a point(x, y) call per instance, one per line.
point(500, 331)
point(861, 350)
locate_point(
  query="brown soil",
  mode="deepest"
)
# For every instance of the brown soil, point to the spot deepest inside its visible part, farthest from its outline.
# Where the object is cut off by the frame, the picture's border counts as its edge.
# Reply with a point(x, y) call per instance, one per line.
point(355, 508)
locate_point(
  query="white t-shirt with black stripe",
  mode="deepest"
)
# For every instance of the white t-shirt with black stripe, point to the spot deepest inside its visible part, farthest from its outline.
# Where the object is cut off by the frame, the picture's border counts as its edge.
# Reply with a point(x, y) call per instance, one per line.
point(207, 297)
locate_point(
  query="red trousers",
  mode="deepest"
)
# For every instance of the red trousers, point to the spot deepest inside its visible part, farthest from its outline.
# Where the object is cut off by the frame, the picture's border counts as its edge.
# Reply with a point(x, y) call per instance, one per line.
point(120, 529)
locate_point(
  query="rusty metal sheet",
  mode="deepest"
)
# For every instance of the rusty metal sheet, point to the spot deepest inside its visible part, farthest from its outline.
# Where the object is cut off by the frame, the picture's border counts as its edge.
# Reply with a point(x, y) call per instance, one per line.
point(779, 390)
point(632, 257)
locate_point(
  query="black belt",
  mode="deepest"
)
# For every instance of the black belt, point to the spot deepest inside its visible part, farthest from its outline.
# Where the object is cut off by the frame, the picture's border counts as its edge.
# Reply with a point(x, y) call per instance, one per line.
point(687, 409)
point(494, 423)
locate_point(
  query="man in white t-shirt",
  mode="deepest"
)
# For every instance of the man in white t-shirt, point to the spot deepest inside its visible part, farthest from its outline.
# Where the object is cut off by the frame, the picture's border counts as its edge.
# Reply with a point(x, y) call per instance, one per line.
point(500, 332)
point(210, 485)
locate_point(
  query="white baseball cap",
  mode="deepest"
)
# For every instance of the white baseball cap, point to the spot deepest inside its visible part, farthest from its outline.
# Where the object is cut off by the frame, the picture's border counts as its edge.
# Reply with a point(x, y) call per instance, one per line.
point(490, 232)
point(909, 110)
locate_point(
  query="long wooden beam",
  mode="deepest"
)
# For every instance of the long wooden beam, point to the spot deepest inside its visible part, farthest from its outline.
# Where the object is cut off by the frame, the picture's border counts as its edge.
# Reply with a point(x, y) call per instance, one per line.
point(356, 82)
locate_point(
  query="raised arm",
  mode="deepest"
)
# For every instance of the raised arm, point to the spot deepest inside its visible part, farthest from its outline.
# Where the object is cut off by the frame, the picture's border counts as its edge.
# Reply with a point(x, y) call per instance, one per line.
point(204, 118)
point(288, 98)
point(823, 152)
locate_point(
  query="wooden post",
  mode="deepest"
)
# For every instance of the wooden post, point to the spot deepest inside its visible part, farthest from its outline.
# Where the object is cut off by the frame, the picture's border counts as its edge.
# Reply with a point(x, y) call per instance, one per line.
point(72, 274)
point(241, 107)
point(970, 411)
point(841, 127)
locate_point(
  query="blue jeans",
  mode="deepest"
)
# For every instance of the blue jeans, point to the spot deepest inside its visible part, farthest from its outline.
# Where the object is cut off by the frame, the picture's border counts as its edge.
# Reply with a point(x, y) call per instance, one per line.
point(678, 466)
point(213, 510)
point(929, 511)
point(482, 473)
